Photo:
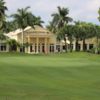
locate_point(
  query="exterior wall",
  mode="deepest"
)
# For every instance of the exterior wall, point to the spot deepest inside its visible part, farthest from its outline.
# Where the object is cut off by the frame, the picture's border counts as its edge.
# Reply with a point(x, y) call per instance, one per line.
point(40, 38)
point(4, 47)
point(48, 39)
point(13, 37)
point(53, 42)
point(89, 42)
point(19, 38)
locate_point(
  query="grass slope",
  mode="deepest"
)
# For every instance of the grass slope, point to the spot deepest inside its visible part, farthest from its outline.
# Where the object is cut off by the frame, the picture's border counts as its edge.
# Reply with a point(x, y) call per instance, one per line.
point(69, 76)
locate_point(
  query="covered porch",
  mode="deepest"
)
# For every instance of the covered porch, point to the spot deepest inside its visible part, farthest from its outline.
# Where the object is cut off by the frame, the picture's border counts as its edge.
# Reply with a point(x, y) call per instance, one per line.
point(39, 44)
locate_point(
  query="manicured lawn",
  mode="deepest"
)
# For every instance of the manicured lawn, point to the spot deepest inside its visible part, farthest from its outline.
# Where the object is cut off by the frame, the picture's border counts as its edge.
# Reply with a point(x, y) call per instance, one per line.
point(69, 76)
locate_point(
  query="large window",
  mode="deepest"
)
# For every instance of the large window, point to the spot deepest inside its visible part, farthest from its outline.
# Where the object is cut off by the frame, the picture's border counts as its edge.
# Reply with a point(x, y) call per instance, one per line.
point(79, 47)
point(90, 46)
point(2, 47)
point(51, 47)
point(43, 47)
point(85, 47)
point(58, 48)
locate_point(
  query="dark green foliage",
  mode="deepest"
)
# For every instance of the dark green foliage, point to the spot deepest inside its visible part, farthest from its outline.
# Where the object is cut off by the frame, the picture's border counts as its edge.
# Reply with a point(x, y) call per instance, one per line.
point(2, 36)
point(3, 8)
point(60, 19)
point(13, 44)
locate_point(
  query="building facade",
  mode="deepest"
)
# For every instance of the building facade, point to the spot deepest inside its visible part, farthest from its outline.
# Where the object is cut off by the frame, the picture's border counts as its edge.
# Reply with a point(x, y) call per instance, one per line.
point(40, 40)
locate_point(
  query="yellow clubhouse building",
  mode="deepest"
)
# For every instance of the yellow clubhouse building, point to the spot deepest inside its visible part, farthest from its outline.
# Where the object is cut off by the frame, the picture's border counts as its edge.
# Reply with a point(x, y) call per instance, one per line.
point(42, 41)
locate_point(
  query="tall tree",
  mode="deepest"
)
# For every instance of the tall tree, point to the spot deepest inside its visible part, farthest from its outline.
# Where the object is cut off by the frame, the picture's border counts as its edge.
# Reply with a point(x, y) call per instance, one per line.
point(38, 21)
point(66, 33)
point(3, 8)
point(61, 18)
point(34, 20)
point(97, 35)
point(99, 14)
point(77, 36)
point(9, 26)
point(51, 27)
point(83, 32)
point(98, 31)
point(2, 36)
point(23, 19)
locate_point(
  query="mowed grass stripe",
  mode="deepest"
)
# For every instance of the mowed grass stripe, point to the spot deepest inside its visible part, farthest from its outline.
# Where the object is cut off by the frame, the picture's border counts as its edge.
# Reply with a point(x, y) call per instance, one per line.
point(69, 76)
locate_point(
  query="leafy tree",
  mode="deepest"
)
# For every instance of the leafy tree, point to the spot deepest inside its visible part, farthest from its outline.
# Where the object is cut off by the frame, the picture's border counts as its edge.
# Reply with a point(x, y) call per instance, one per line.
point(84, 32)
point(8, 26)
point(77, 36)
point(3, 8)
point(13, 44)
point(97, 35)
point(51, 27)
point(38, 21)
point(61, 18)
point(2, 37)
point(23, 18)
point(99, 14)
point(66, 33)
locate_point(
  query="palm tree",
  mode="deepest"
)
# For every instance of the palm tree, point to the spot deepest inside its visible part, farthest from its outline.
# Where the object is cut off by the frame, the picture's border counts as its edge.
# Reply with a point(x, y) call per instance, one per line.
point(3, 8)
point(69, 29)
point(61, 18)
point(62, 36)
point(38, 21)
point(51, 27)
point(23, 18)
point(7, 26)
point(2, 37)
point(99, 14)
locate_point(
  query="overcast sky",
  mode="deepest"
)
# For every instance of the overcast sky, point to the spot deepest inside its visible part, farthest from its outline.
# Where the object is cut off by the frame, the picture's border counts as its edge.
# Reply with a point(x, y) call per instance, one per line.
point(84, 10)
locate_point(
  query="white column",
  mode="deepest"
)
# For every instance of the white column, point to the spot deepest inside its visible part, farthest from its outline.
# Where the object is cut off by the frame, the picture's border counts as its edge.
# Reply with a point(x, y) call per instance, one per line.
point(45, 45)
point(33, 47)
point(74, 46)
point(37, 45)
point(60, 47)
point(40, 47)
point(28, 46)
point(81, 46)
point(55, 47)
point(48, 46)
point(87, 46)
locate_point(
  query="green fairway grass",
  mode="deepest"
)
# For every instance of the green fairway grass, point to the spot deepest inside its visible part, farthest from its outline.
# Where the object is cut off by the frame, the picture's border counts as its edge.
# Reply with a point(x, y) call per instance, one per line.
point(72, 76)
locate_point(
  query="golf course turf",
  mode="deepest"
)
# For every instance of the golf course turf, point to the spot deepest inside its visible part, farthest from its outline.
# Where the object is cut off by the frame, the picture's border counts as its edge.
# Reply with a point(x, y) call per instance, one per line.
point(70, 76)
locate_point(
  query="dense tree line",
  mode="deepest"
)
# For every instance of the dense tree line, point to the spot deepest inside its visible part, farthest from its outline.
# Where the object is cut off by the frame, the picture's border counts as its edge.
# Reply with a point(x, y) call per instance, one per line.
point(77, 31)
point(21, 19)
point(60, 25)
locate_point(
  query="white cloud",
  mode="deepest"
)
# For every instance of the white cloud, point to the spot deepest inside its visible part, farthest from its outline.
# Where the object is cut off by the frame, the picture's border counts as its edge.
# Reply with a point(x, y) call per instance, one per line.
point(79, 9)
